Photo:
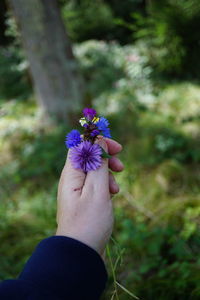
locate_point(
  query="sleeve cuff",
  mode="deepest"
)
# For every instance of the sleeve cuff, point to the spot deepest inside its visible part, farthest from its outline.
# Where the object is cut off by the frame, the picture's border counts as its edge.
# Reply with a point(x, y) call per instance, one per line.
point(66, 267)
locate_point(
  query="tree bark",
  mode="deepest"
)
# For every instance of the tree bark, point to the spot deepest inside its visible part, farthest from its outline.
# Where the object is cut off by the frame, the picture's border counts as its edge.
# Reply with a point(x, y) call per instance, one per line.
point(58, 84)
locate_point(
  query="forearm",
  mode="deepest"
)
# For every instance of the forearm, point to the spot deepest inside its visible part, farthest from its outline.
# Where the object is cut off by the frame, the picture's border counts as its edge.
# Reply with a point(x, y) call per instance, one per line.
point(63, 268)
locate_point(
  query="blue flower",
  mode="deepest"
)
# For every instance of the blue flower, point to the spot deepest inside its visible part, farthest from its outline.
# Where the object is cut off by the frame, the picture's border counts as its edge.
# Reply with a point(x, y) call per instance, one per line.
point(73, 138)
point(102, 125)
point(95, 132)
point(106, 132)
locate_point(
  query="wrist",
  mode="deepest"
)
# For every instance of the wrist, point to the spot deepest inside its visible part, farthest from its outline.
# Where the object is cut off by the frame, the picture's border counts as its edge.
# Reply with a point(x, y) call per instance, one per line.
point(83, 238)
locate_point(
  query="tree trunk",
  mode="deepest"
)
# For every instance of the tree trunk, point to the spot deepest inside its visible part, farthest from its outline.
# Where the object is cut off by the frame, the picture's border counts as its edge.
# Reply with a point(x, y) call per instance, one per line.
point(55, 73)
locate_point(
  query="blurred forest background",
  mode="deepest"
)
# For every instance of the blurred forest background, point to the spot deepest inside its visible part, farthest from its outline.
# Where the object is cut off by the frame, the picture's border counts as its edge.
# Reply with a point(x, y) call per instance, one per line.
point(138, 63)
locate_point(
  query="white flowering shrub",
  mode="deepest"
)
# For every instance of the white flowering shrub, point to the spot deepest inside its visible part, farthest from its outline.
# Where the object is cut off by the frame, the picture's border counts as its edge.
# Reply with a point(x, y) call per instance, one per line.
point(115, 75)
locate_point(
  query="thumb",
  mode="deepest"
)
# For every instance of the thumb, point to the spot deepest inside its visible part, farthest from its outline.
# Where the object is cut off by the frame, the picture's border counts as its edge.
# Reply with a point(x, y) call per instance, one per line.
point(72, 179)
point(98, 180)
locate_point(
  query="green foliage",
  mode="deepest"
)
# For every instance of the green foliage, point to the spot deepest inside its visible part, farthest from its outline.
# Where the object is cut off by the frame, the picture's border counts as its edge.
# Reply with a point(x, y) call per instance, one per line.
point(14, 78)
point(167, 29)
point(15, 81)
point(171, 36)
point(33, 146)
point(25, 219)
point(115, 75)
point(166, 268)
point(167, 144)
point(83, 22)
point(101, 64)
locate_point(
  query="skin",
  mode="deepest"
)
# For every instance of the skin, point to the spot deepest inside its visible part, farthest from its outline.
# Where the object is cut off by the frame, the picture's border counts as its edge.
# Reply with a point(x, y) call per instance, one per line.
point(84, 206)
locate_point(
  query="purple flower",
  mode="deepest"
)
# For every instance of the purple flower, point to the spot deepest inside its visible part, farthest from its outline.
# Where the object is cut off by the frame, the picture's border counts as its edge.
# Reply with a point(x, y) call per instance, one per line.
point(95, 132)
point(89, 113)
point(73, 138)
point(86, 156)
point(102, 125)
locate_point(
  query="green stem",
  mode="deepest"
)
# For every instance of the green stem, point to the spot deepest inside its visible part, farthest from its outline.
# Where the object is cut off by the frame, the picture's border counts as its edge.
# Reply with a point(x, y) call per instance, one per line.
point(127, 291)
point(112, 269)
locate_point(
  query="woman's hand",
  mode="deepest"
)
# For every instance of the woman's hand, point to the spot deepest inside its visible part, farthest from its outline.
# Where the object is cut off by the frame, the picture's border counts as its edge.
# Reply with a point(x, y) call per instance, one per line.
point(85, 208)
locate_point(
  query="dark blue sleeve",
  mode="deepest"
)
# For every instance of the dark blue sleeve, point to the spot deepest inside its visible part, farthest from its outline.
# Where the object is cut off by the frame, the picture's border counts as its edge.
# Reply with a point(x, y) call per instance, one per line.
point(60, 268)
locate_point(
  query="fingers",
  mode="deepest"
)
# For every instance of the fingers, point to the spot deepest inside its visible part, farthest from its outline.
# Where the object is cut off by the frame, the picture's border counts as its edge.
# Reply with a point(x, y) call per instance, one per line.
point(76, 181)
point(115, 164)
point(113, 146)
point(113, 186)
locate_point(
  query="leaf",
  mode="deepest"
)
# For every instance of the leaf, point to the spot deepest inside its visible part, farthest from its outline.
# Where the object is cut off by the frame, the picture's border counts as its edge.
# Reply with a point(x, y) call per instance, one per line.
point(105, 154)
point(127, 291)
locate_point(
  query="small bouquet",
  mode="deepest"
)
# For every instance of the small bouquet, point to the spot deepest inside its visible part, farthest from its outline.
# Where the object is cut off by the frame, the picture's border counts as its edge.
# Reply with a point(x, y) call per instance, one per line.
point(85, 154)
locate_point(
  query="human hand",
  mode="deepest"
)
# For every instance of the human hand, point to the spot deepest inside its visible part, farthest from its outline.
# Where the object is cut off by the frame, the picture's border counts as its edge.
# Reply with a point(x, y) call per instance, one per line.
point(85, 208)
